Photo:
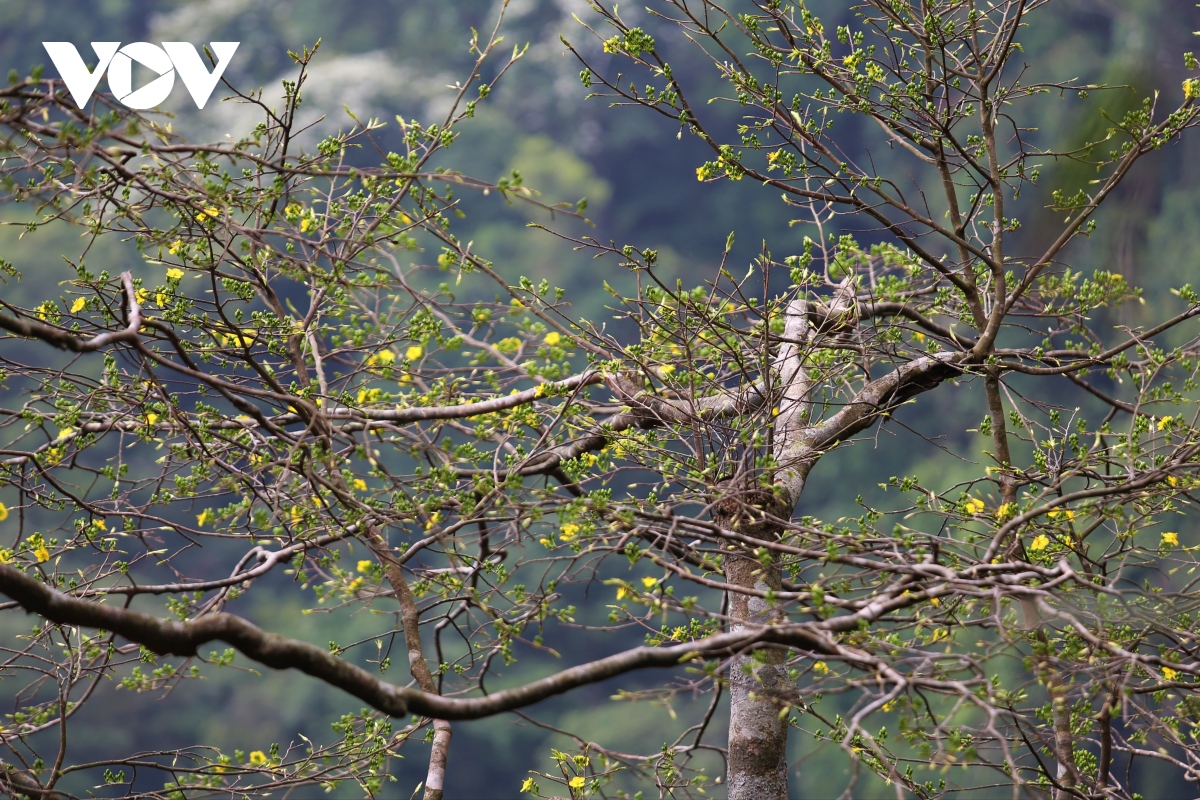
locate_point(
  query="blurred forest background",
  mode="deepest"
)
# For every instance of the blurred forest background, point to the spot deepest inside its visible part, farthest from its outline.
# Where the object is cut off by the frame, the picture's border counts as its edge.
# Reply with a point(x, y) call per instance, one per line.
point(381, 58)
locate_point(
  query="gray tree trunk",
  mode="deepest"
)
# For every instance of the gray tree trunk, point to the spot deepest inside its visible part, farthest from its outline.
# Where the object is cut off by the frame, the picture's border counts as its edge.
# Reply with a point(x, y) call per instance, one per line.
point(759, 688)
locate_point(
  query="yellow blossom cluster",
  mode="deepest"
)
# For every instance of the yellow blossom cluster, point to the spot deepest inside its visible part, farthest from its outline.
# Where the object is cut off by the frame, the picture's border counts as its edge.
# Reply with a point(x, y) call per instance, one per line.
point(974, 506)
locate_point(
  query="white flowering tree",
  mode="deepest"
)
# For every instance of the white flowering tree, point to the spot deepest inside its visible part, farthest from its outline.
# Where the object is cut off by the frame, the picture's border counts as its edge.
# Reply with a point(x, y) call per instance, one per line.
point(313, 373)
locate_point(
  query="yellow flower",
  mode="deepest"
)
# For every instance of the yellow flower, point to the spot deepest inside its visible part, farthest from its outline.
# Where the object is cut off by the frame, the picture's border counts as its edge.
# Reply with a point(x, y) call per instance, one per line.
point(306, 224)
point(204, 517)
point(577, 782)
point(529, 786)
point(1191, 89)
point(174, 249)
point(553, 338)
point(65, 432)
point(1165, 422)
point(621, 592)
point(258, 757)
point(212, 211)
point(174, 274)
point(1040, 543)
point(569, 531)
point(366, 396)
point(5, 556)
point(360, 484)
point(937, 601)
point(701, 173)
point(821, 667)
point(78, 305)
point(42, 554)
point(365, 565)
point(386, 357)
point(974, 506)
point(3, 512)
point(649, 583)
point(414, 352)
point(160, 299)
point(142, 296)
point(1006, 511)
point(1171, 538)
point(151, 419)
point(1169, 673)
point(546, 542)
point(1171, 479)
point(1065, 513)
point(666, 369)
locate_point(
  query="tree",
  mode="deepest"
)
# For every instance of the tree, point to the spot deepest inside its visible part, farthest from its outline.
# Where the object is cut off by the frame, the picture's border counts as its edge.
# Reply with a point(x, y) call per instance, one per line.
point(283, 386)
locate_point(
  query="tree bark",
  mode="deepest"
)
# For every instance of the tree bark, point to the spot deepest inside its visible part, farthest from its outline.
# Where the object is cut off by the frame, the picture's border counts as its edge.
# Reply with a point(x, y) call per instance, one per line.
point(1066, 775)
point(1060, 709)
point(435, 777)
point(759, 688)
point(760, 692)
point(18, 784)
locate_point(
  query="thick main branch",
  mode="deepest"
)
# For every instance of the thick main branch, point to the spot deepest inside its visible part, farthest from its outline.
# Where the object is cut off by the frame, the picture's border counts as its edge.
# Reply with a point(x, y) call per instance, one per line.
point(173, 638)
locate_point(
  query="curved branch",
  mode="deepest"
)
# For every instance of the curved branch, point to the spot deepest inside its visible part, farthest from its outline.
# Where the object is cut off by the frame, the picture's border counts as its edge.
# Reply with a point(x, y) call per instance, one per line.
point(168, 637)
point(64, 340)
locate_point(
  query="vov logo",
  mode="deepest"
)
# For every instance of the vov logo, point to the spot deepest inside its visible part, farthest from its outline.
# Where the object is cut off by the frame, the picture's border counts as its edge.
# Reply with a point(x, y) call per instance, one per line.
point(165, 61)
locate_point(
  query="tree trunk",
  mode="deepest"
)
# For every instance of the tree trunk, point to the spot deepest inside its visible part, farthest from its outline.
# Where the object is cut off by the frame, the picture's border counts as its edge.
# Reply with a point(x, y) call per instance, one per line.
point(758, 692)
point(1067, 775)
point(435, 778)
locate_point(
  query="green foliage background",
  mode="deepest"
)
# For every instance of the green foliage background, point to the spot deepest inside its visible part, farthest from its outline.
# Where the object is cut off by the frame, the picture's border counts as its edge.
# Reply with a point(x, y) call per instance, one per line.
point(388, 57)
